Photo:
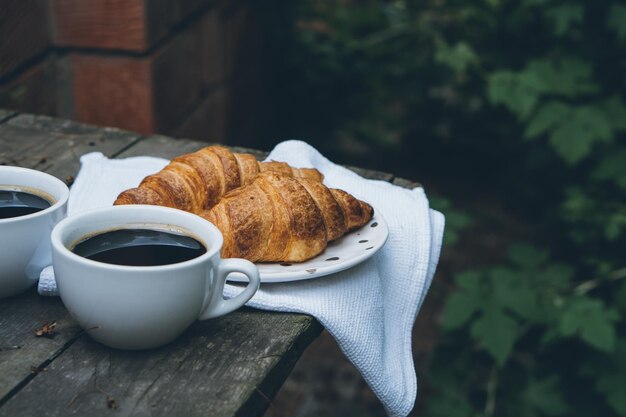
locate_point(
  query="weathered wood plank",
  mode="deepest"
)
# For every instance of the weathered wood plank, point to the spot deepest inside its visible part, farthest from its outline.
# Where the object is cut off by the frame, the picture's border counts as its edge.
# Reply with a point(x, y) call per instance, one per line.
point(6, 114)
point(162, 147)
point(226, 366)
point(168, 148)
point(21, 352)
point(214, 369)
point(55, 145)
point(371, 174)
point(402, 182)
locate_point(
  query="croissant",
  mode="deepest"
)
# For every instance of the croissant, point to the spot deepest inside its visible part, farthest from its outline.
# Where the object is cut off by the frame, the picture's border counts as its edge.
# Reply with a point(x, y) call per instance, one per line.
point(283, 219)
point(195, 182)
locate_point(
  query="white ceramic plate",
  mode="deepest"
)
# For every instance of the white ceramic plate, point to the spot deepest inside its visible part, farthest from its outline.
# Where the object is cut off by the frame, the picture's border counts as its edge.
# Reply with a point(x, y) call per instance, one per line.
point(344, 253)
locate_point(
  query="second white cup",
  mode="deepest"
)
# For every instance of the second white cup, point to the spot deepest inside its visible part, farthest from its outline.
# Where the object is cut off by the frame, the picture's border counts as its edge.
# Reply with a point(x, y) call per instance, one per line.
point(25, 239)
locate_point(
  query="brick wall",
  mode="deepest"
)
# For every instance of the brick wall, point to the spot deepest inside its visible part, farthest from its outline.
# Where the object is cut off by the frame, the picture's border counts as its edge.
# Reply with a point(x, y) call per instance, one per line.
point(25, 67)
point(191, 68)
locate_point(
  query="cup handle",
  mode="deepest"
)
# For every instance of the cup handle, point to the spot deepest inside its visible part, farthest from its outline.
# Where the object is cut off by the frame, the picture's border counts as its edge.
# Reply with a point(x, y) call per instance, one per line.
point(218, 305)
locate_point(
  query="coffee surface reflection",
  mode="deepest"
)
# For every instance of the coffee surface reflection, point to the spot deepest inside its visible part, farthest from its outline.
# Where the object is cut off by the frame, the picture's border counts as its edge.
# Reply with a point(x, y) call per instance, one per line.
point(140, 247)
point(18, 203)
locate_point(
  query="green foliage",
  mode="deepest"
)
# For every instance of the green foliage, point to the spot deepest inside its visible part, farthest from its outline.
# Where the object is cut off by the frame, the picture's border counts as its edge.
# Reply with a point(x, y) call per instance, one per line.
point(498, 302)
point(617, 20)
point(540, 96)
point(459, 57)
point(544, 397)
point(564, 17)
point(592, 219)
point(610, 168)
point(456, 220)
point(520, 314)
point(496, 331)
point(531, 94)
point(590, 319)
point(452, 403)
point(609, 375)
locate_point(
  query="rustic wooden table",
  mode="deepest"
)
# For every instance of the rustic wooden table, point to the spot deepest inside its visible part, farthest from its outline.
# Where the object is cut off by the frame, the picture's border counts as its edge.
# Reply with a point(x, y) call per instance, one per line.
point(229, 366)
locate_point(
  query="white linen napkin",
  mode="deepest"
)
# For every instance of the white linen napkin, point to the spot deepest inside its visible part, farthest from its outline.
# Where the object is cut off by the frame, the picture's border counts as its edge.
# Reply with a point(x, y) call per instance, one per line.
point(369, 309)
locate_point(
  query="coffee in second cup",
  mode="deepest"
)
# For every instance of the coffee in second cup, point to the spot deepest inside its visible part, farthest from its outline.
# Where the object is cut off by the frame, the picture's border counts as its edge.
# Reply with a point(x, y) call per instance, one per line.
point(31, 203)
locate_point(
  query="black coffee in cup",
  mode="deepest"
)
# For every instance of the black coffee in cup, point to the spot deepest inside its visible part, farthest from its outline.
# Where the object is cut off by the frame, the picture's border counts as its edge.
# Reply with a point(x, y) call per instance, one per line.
point(18, 203)
point(139, 247)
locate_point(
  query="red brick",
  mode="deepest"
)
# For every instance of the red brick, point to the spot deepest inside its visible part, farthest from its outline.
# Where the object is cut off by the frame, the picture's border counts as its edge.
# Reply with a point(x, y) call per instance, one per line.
point(116, 24)
point(113, 91)
point(24, 32)
point(130, 25)
point(146, 94)
point(34, 91)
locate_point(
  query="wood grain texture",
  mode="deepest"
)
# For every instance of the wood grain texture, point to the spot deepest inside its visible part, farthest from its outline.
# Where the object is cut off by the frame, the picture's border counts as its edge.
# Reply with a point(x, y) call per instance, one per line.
point(402, 182)
point(162, 147)
point(6, 114)
point(50, 145)
point(168, 148)
point(228, 366)
point(217, 368)
point(371, 174)
point(21, 352)
point(55, 145)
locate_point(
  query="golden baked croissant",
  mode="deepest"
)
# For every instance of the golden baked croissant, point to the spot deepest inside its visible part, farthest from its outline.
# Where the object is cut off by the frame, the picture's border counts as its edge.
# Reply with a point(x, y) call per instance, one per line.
point(195, 182)
point(283, 219)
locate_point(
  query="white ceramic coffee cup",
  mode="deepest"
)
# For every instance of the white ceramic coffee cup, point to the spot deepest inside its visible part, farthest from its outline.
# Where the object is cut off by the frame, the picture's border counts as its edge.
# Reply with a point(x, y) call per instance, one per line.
point(141, 307)
point(25, 240)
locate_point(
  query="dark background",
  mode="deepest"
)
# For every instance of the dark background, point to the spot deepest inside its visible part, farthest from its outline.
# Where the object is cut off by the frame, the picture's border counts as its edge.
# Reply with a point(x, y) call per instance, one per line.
point(510, 113)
